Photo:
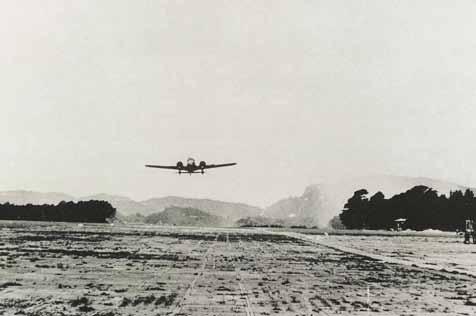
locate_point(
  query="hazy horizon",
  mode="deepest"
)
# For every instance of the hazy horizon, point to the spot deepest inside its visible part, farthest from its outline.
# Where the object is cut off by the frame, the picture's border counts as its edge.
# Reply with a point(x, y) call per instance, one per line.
point(333, 182)
point(295, 92)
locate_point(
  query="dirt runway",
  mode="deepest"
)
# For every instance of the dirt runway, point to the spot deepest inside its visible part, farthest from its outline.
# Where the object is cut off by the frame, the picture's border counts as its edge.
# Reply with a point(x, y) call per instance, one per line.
point(141, 270)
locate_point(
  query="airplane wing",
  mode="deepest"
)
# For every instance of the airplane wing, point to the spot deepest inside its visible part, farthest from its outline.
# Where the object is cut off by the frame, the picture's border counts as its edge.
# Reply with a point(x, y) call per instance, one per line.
point(162, 167)
point(220, 165)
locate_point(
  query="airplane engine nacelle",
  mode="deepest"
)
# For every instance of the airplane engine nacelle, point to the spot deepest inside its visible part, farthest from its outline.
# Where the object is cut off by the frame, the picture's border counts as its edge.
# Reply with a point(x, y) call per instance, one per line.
point(202, 164)
point(180, 165)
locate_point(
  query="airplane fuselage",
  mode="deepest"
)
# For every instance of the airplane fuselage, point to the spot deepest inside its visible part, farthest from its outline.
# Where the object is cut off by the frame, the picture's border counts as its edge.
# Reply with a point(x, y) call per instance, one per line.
point(191, 167)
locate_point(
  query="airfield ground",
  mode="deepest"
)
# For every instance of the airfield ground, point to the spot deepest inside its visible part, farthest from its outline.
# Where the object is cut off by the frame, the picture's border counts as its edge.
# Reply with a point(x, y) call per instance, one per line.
point(66, 269)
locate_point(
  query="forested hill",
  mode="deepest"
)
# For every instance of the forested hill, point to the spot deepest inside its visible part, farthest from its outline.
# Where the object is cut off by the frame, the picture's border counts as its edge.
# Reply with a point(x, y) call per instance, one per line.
point(185, 216)
point(83, 211)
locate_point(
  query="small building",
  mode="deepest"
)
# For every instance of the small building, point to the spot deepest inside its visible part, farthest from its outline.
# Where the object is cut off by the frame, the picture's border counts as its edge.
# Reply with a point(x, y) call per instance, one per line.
point(399, 222)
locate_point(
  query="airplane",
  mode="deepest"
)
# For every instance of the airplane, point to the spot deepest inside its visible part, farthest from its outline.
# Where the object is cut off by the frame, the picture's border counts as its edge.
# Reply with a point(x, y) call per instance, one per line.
point(191, 167)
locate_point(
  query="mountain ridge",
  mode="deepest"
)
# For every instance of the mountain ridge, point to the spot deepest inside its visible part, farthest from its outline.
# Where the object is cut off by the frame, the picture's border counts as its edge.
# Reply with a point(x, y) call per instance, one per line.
point(125, 206)
point(229, 210)
point(315, 207)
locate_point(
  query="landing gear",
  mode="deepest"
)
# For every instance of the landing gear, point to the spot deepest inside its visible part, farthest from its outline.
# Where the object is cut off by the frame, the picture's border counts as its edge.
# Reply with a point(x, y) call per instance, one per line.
point(202, 171)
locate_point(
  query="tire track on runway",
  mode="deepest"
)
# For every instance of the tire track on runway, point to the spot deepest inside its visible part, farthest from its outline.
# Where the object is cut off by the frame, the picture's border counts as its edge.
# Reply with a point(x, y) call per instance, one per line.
point(180, 304)
point(244, 293)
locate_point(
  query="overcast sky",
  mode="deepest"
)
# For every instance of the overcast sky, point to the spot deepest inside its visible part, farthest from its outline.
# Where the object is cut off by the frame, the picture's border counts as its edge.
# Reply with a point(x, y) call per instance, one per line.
point(296, 92)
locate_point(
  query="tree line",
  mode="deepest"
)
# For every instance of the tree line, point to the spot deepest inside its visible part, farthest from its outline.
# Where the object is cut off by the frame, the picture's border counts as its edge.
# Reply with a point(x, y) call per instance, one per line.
point(83, 211)
point(421, 206)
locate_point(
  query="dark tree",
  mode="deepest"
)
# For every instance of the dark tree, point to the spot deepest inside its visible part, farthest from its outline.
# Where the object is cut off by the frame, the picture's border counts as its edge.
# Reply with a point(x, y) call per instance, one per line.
point(421, 206)
point(355, 213)
point(90, 211)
